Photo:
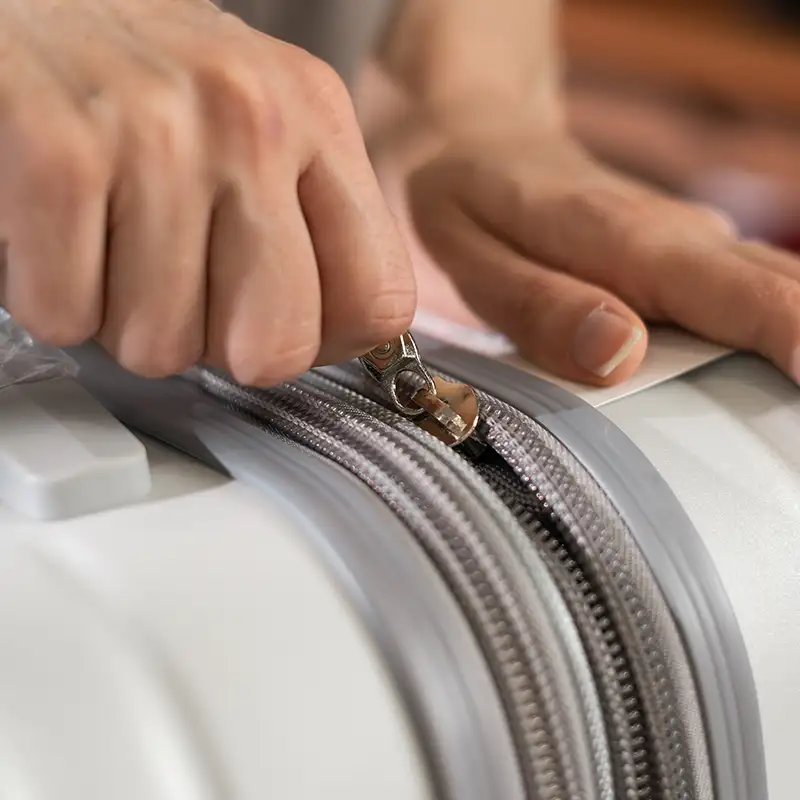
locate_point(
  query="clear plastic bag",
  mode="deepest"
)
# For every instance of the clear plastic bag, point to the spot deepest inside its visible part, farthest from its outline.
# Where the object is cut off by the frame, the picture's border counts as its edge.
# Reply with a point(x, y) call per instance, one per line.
point(22, 360)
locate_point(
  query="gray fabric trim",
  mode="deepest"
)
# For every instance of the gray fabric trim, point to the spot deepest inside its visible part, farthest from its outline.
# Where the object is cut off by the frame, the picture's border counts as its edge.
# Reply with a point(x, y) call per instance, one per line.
point(422, 635)
point(674, 550)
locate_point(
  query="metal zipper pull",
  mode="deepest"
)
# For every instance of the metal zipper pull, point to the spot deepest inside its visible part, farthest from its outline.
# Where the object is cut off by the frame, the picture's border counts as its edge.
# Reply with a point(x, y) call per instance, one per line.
point(448, 411)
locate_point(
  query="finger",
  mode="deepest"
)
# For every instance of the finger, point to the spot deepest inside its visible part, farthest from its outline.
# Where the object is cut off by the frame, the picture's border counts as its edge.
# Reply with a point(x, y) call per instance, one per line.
point(670, 261)
point(53, 201)
point(156, 283)
point(568, 327)
point(366, 278)
point(264, 307)
point(676, 264)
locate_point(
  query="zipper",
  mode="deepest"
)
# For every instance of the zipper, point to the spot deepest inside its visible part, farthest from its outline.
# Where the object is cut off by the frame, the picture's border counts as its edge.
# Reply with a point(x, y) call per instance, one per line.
point(515, 610)
point(649, 695)
point(633, 763)
point(644, 729)
point(445, 409)
point(645, 657)
point(657, 750)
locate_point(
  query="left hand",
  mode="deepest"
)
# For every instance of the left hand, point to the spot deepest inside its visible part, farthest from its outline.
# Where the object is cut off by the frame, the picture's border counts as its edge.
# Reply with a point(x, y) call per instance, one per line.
point(568, 258)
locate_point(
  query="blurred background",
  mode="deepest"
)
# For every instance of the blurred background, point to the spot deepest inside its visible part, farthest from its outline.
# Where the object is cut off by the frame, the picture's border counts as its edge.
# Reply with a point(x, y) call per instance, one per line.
point(701, 97)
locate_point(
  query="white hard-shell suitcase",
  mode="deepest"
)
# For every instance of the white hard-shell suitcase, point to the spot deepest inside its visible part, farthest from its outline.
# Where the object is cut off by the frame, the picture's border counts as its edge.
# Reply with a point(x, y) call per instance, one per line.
point(266, 624)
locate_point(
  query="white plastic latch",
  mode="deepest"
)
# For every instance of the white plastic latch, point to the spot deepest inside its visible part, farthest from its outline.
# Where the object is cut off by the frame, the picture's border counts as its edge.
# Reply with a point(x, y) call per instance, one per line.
point(63, 455)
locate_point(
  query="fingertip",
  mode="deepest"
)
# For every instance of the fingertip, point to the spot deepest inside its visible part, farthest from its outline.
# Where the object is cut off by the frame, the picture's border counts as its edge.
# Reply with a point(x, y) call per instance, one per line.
point(608, 344)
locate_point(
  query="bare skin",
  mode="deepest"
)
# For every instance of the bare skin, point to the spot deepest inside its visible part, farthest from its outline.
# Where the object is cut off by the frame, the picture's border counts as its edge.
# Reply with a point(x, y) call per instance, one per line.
point(566, 257)
point(184, 189)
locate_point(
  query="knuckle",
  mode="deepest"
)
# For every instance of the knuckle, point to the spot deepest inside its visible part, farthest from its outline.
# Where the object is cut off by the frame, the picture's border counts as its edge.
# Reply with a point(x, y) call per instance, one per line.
point(615, 222)
point(714, 220)
point(767, 308)
point(239, 103)
point(319, 76)
point(601, 211)
point(72, 166)
point(161, 120)
point(231, 22)
point(327, 94)
point(777, 294)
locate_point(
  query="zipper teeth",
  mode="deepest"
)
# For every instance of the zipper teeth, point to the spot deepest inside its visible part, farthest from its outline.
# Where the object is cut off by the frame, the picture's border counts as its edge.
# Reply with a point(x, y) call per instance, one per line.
point(634, 763)
point(660, 764)
point(472, 571)
point(662, 725)
point(344, 382)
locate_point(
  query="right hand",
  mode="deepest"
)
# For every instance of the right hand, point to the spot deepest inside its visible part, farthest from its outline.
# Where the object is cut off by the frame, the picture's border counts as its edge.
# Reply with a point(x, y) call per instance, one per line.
point(185, 189)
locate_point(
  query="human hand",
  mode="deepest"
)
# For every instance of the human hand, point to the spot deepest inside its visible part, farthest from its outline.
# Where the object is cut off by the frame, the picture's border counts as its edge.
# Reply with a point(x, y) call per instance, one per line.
point(186, 189)
point(568, 259)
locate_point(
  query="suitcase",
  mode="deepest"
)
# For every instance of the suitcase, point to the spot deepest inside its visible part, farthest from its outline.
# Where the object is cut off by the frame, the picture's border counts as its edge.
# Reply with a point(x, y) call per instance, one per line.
point(320, 598)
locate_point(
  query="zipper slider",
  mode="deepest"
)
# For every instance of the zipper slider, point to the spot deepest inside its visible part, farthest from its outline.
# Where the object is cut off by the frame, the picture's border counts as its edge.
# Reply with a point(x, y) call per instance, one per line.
point(449, 411)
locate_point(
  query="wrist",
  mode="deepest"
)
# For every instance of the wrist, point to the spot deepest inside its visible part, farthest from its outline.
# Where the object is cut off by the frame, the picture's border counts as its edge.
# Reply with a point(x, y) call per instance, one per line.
point(463, 62)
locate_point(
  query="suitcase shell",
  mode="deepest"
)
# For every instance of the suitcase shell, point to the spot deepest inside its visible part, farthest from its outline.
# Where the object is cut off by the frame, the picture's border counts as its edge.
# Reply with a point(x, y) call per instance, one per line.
point(215, 639)
point(727, 441)
point(194, 645)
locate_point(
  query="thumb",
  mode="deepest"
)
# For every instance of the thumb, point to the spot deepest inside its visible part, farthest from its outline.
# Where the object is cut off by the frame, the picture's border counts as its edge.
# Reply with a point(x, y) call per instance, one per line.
point(570, 328)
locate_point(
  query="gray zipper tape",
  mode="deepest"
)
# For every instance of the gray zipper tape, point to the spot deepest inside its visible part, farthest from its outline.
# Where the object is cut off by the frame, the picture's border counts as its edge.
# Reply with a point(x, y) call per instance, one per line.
point(674, 550)
point(423, 637)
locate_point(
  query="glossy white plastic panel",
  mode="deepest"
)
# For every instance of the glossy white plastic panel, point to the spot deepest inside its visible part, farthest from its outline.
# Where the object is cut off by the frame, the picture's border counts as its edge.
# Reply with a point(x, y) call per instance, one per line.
point(727, 440)
point(189, 646)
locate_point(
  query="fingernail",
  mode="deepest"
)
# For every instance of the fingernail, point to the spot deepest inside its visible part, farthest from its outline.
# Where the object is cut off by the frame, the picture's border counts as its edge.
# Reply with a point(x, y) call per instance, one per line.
point(603, 341)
